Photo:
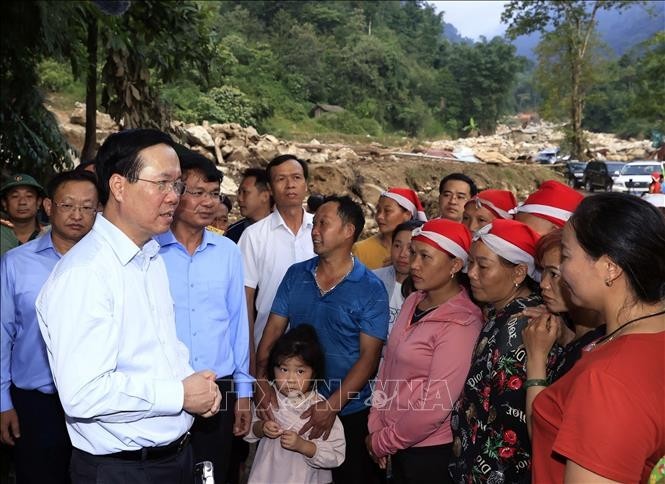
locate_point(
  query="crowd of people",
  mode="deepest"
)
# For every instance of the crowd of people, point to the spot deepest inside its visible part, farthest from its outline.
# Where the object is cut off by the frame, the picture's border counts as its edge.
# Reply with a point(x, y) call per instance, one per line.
point(497, 342)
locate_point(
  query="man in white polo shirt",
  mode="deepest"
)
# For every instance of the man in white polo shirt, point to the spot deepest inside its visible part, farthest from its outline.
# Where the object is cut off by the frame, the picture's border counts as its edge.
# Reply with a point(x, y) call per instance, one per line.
point(271, 245)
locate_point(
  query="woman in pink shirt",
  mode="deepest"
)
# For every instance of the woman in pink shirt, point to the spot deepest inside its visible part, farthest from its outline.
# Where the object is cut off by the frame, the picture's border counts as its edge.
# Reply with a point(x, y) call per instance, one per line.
point(427, 359)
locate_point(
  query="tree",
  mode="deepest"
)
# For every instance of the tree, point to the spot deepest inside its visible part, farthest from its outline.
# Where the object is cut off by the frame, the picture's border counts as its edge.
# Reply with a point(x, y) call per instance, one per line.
point(30, 140)
point(573, 21)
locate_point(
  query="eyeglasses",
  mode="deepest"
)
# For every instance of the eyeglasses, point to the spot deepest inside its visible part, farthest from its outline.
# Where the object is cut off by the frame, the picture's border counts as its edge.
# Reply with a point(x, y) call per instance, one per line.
point(68, 208)
point(214, 195)
point(164, 186)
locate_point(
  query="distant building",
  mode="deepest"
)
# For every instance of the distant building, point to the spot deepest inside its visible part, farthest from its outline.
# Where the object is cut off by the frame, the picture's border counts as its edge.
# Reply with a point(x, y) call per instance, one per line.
point(320, 109)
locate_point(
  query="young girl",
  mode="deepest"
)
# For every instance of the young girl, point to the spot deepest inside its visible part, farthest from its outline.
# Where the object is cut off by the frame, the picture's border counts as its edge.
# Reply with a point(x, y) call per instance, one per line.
point(295, 362)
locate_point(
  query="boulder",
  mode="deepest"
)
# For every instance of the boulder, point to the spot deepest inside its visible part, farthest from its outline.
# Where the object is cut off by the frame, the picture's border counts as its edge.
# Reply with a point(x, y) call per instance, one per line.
point(229, 187)
point(264, 150)
point(198, 135)
point(239, 154)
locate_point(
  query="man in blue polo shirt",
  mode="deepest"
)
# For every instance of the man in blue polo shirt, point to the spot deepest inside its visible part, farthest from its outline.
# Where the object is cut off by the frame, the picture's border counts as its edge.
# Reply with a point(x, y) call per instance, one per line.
point(207, 284)
point(348, 306)
point(32, 419)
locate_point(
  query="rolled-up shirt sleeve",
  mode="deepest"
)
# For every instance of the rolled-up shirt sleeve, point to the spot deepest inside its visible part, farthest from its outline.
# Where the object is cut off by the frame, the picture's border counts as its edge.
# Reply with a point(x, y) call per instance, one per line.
point(330, 453)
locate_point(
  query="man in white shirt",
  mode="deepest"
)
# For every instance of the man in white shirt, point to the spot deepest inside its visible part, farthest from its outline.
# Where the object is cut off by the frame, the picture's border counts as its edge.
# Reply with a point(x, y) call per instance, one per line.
point(107, 318)
point(271, 245)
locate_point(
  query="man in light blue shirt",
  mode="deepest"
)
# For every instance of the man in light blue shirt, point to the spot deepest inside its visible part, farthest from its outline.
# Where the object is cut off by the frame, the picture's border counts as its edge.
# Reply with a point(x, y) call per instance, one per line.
point(108, 322)
point(31, 418)
point(206, 279)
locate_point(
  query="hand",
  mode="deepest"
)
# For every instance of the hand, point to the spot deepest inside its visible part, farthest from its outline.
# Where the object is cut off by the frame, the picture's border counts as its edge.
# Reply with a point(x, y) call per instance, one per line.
point(265, 400)
point(216, 405)
point(535, 311)
point(9, 428)
point(291, 441)
point(540, 335)
point(6, 223)
point(243, 416)
point(381, 461)
point(271, 429)
point(321, 419)
point(202, 394)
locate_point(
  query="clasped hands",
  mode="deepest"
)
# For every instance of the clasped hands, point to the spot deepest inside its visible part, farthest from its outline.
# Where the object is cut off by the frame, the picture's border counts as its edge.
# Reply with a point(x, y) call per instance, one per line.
point(202, 395)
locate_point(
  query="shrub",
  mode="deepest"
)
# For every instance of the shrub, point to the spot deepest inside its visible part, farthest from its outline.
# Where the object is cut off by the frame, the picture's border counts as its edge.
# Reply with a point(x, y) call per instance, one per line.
point(54, 76)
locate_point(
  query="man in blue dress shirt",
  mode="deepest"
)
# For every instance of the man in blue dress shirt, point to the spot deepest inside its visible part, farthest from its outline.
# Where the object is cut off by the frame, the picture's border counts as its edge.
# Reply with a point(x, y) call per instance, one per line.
point(31, 418)
point(207, 284)
point(348, 306)
point(108, 322)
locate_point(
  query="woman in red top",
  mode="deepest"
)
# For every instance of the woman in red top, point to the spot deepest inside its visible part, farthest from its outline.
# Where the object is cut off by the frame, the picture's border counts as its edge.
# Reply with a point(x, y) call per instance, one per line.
point(604, 420)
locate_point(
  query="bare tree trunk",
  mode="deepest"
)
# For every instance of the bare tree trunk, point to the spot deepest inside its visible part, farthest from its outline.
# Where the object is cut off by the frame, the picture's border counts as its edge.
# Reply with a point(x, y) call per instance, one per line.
point(577, 104)
point(90, 144)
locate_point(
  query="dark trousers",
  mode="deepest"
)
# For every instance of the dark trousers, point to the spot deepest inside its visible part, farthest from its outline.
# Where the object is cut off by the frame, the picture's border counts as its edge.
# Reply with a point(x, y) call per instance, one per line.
point(358, 466)
point(421, 465)
point(212, 437)
point(239, 454)
point(42, 452)
point(93, 469)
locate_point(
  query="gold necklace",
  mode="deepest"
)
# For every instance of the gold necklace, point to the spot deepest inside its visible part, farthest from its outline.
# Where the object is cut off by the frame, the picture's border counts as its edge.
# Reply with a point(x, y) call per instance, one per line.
point(322, 291)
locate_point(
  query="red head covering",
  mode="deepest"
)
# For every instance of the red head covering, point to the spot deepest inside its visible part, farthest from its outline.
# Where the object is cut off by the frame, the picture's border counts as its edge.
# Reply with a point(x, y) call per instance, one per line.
point(553, 201)
point(450, 237)
point(407, 199)
point(512, 240)
point(499, 202)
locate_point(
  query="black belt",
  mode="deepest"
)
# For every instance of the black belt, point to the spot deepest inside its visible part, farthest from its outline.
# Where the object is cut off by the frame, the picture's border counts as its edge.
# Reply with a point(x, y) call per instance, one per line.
point(151, 453)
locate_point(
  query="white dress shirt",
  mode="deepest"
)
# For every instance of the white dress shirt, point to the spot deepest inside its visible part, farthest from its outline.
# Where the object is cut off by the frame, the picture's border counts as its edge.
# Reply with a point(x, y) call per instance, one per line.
point(268, 249)
point(107, 319)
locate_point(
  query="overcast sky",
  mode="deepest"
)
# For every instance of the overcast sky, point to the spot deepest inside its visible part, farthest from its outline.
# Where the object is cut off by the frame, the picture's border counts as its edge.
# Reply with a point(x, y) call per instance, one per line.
point(473, 19)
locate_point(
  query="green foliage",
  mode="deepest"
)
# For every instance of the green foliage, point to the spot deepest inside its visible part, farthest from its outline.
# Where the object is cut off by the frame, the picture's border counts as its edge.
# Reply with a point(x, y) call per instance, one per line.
point(29, 139)
point(566, 68)
point(54, 76)
point(349, 123)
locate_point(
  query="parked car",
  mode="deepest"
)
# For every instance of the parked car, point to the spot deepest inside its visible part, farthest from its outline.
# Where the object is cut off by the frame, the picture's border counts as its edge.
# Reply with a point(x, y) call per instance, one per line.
point(548, 156)
point(574, 173)
point(635, 177)
point(601, 174)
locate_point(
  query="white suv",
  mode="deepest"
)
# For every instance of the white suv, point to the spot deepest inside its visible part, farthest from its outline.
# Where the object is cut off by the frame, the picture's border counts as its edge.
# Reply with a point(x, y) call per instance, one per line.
point(635, 177)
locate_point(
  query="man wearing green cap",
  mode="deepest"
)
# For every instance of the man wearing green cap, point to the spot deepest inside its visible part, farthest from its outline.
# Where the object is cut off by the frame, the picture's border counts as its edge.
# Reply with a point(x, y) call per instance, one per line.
point(21, 197)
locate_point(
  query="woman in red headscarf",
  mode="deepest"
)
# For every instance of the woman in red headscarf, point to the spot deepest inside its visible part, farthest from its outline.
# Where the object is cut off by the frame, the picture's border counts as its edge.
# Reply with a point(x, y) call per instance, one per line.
point(396, 206)
point(427, 358)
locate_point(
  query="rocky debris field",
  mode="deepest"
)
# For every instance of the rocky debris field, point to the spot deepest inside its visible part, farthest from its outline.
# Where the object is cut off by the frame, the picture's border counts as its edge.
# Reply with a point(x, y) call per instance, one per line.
point(503, 160)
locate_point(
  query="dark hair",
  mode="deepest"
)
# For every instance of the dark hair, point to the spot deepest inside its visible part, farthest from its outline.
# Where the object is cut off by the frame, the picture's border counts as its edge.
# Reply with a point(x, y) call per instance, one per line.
point(349, 211)
point(225, 200)
point(301, 342)
point(260, 177)
point(70, 176)
point(278, 160)
point(459, 177)
point(545, 243)
point(314, 201)
point(631, 232)
point(409, 225)
point(193, 161)
point(120, 154)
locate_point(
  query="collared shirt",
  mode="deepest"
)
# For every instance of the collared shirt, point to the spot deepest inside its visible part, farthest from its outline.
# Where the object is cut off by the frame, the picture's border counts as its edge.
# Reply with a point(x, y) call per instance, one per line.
point(235, 230)
point(23, 361)
point(358, 304)
point(269, 248)
point(210, 310)
point(107, 318)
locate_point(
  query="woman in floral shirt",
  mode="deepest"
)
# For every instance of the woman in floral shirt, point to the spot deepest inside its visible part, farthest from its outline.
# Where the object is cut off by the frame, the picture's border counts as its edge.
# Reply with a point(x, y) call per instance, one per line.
point(491, 443)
